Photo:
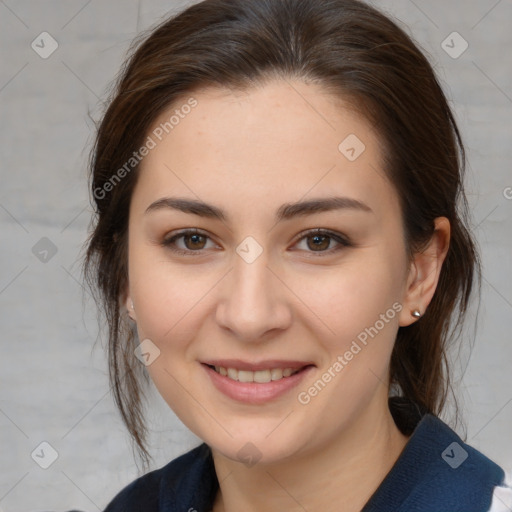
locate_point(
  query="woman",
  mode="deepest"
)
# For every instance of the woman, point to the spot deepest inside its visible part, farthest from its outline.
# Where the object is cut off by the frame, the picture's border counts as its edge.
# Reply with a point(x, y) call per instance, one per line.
point(281, 242)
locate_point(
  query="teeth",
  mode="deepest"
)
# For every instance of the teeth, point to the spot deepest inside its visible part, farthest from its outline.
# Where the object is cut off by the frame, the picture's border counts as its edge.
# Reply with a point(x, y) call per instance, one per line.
point(244, 376)
point(260, 376)
point(276, 373)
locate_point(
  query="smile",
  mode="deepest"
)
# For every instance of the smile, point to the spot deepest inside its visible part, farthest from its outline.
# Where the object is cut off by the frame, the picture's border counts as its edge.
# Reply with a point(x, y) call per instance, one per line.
point(256, 384)
point(260, 376)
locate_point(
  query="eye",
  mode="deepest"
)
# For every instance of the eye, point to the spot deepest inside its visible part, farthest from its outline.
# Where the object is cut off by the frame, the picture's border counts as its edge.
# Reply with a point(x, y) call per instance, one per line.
point(321, 241)
point(193, 241)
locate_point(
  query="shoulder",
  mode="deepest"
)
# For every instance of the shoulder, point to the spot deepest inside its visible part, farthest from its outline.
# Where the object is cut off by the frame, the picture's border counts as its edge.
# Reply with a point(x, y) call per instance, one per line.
point(454, 473)
point(502, 496)
point(437, 470)
point(158, 488)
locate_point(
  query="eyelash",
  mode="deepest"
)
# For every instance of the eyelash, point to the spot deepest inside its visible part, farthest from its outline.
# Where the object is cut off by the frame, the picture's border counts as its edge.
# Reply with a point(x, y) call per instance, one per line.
point(341, 240)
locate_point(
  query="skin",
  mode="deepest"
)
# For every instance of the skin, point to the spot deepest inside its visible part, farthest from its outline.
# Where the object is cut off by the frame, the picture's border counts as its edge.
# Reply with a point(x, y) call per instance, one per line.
point(248, 153)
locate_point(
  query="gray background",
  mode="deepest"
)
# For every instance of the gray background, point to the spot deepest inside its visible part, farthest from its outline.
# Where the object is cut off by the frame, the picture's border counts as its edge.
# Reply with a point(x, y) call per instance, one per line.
point(54, 385)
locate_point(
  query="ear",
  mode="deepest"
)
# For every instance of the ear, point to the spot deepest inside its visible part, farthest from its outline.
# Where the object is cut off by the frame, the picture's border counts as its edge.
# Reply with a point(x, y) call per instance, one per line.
point(424, 272)
point(128, 304)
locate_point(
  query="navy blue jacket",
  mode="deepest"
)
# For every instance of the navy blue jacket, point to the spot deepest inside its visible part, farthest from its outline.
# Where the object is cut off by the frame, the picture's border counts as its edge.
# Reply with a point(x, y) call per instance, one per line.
point(436, 472)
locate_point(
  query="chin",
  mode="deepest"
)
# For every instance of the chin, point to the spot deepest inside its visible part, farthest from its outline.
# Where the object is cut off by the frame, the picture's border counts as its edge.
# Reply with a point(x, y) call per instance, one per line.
point(259, 447)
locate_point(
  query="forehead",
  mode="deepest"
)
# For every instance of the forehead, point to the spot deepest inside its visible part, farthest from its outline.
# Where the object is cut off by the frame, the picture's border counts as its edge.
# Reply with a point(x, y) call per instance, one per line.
point(283, 138)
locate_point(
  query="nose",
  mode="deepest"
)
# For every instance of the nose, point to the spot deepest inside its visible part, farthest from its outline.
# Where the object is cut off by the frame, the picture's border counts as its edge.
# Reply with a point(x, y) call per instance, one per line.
point(254, 301)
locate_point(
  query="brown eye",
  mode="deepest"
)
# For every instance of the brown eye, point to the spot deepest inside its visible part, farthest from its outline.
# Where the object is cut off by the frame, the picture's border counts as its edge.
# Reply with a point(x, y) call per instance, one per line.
point(194, 241)
point(323, 242)
point(187, 242)
point(318, 242)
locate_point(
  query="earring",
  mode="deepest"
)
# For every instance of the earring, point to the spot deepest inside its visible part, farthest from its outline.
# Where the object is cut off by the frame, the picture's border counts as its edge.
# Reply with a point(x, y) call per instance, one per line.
point(129, 311)
point(416, 313)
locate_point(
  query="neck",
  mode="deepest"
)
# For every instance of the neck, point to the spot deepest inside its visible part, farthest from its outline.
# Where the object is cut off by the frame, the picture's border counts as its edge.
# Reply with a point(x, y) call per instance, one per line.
point(343, 472)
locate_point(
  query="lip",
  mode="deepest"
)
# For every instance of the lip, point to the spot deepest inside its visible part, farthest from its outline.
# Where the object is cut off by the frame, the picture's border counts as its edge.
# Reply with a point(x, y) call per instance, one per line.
point(252, 392)
point(262, 365)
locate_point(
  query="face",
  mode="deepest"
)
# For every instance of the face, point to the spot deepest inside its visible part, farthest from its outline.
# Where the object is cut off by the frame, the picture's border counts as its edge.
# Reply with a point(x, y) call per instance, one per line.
point(265, 241)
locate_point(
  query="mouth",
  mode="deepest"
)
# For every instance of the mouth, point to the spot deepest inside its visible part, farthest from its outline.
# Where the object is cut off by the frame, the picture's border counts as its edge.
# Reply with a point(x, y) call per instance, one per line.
point(256, 383)
point(259, 376)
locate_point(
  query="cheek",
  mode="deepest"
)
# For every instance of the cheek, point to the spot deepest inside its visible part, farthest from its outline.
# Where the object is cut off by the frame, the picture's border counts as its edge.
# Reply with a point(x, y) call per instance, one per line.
point(162, 293)
point(168, 301)
point(349, 298)
point(164, 302)
point(360, 304)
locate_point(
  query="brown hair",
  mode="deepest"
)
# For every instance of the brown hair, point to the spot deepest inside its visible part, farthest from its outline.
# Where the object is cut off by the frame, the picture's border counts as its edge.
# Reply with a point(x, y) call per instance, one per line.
point(353, 51)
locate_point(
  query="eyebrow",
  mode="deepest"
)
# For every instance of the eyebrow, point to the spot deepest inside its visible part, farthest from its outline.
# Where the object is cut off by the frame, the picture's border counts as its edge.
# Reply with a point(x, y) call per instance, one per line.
point(285, 212)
